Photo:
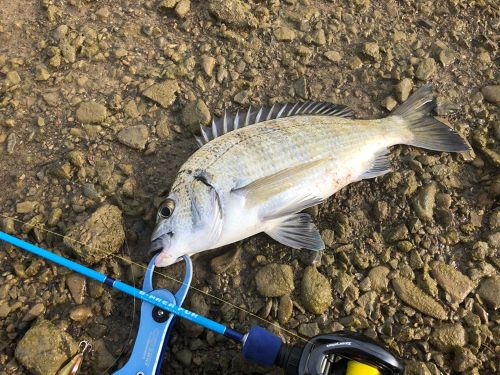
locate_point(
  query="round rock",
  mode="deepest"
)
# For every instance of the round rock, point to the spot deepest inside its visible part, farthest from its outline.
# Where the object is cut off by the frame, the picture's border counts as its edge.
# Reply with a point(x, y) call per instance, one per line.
point(316, 292)
point(492, 93)
point(448, 336)
point(274, 280)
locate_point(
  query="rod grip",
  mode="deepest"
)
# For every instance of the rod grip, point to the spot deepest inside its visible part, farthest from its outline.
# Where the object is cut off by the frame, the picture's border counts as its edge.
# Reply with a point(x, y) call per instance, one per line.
point(261, 346)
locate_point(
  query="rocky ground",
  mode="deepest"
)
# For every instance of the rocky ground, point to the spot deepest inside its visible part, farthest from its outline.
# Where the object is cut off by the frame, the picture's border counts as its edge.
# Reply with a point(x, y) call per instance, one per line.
point(98, 103)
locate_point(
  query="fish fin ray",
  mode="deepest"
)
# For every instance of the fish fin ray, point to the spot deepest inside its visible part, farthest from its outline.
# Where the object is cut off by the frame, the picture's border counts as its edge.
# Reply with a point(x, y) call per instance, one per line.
point(229, 122)
point(297, 231)
point(380, 166)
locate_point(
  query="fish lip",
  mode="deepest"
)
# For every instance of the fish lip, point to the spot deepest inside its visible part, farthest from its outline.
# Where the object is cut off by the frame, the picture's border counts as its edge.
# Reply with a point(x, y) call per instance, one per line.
point(155, 246)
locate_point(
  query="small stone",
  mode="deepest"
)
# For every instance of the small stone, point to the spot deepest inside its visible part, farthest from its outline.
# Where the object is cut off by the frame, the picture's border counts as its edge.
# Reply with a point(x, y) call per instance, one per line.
point(182, 8)
point(309, 329)
point(26, 207)
point(51, 98)
point(134, 136)
point(131, 110)
point(13, 77)
point(333, 56)
point(398, 233)
point(168, 4)
point(371, 49)
point(225, 261)
point(447, 56)
point(403, 89)
point(77, 158)
point(184, 356)
point(492, 93)
point(4, 309)
point(489, 291)
point(424, 200)
point(355, 62)
point(208, 65)
point(285, 309)
point(319, 37)
point(103, 12)
point(300, 87)
point(284, 34)
point(316, 291)
point(99, 236)
point(91, 113)
point(199, 305)
point(463, 359)
point(389, 103)
point(34, 312)
point(76, 284)
point(80, 313)
point(416, 368)
point(426, 69)
point(41, 73)
point(416, 298)
point(274, 280)
point(455, 283)
point(163, 129)
point(447, 336)
point(102, 359)
point(236, 13)
point(378, 278)
point(45, 348)
point(162, 93)
point(194, 114)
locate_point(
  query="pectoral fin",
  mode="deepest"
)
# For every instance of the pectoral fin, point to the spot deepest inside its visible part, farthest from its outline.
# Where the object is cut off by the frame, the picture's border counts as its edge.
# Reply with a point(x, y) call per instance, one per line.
point(297, 231)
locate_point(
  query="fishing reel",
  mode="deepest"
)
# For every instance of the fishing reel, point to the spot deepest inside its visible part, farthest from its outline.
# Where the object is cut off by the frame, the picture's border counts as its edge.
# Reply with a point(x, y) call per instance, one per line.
point(340, 353)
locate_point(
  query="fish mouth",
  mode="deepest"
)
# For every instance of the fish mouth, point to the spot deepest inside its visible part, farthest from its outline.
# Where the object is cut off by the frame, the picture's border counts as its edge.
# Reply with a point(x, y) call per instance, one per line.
point(155, 246)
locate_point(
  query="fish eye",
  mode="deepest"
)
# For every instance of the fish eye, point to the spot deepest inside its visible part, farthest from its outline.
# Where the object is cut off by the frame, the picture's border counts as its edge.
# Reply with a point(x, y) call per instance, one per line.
point(166, 208)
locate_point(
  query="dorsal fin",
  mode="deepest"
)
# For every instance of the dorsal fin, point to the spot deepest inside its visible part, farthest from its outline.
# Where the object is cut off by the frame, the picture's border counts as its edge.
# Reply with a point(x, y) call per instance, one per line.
point(230, 122)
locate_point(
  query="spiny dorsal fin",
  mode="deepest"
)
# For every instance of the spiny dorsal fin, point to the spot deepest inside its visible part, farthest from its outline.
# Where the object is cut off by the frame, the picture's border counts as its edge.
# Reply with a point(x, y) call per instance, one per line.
point(230, 122)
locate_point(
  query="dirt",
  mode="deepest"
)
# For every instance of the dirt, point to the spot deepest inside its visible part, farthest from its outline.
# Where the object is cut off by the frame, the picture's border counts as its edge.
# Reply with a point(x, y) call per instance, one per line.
point(150, 69)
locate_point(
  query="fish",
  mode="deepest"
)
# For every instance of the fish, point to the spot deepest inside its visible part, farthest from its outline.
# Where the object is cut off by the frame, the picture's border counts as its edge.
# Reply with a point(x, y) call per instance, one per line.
point(258, 170)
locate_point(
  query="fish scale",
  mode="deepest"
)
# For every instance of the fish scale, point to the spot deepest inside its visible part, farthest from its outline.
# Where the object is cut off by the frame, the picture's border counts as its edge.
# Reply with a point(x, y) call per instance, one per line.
point(256, 171)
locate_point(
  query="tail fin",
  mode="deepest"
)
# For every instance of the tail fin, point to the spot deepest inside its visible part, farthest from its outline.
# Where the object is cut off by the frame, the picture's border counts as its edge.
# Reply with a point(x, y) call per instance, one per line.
point(428, 132)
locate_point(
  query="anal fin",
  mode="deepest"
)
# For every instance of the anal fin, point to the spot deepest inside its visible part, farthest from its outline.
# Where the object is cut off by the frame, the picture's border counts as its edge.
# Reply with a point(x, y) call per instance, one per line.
point(380, 166)
point(297, 231)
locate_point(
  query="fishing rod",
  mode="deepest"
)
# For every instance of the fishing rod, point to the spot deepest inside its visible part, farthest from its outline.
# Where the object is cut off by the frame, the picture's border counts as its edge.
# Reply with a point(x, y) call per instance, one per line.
point(338, 353)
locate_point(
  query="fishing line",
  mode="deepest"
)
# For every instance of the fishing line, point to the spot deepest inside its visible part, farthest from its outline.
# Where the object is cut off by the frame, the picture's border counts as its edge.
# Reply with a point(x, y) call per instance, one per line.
point(165, 276)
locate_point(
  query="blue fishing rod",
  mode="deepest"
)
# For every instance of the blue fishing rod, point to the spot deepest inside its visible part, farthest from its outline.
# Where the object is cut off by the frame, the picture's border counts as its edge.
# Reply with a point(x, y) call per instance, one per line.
point(334, 354)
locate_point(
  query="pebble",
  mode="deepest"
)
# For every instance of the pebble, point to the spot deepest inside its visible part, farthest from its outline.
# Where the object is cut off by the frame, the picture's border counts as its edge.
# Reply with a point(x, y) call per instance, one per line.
point(91, 113)
point(199, 305)
point(455, 283)
point(77, 158)
point(163, 130)
point(284, 34)
point(228, 260)
point(489, 291)
point(447, 56)
point(389, 103)
point(194, 114)
point(130, 108)
point(26, 207)
point(34, 312)
point(274, 280)
point(235, 13)
point(182, 8)
point(285, 309)
point(208, 65)
point(80, 313)
point(378, 278)
point(163, 93)
point(492, 93)
point(309, 329)
point(44, 348)
point(4, 309)
point(416, 298)
point(98, 236)
point(463, 359)
point(13, 77)
point(372, 49)
point(316, 291)
point(333, 56)
point(134, 136)
point(424, 201)
point(403, 89)
point(184, 356)
point(426, 69)
point(102, 359)
point(319, 37)
point(447, 336)
point(76, 284)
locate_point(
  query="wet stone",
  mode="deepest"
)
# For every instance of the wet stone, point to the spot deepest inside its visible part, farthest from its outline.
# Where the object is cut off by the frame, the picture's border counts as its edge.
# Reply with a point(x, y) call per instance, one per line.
point(316, 292)
point(33, 313)
point(416, 298)
point(426, 69)
point(492, 93)
point(91, 113)
point(424, 201)
point(134, 136)
point(184, 356)
point(447, 336)
point(76, 284)
point(194, 114)
point(98, 236)
point(274, 280)
point(44, 348)
point(489, 291)
point(455, 283)
point(163, 93)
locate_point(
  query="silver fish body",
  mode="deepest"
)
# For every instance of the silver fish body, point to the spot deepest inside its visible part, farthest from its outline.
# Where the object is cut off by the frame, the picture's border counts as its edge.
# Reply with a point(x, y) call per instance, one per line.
point(259, 178)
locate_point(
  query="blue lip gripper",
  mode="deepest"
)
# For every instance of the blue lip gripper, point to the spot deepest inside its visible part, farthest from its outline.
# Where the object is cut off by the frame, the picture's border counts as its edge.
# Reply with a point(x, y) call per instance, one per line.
point(155, 325)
